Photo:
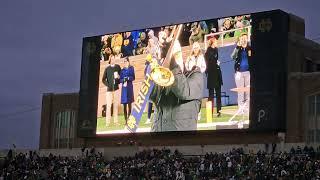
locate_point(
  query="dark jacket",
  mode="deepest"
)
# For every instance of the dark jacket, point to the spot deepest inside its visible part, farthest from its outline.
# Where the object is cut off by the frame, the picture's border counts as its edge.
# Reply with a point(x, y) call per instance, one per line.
point(127, 75)
point(213, 69)
point(236, 55)
point(177, 106)
point(108, 77)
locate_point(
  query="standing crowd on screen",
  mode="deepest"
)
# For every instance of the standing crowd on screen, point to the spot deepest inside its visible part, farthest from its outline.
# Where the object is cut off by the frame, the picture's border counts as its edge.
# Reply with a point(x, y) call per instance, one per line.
point(156, 42)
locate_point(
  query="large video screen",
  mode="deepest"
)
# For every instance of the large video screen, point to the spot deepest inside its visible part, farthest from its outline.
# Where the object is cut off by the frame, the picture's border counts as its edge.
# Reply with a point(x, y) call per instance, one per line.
point(184, 77)
point(208, 75)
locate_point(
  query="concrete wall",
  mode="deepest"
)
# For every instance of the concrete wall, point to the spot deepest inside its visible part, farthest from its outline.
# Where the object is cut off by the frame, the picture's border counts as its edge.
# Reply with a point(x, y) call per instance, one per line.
point(110, 152)
point(300, 84)
point(51, 104)
point(67, 152)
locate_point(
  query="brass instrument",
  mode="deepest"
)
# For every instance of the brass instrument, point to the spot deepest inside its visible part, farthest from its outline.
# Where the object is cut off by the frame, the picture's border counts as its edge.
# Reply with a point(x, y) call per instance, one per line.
point(161, 74)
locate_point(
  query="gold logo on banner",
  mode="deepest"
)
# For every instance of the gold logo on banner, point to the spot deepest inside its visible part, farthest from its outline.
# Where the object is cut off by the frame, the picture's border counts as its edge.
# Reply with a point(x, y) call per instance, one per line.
point(131, 122)
point(265, 25)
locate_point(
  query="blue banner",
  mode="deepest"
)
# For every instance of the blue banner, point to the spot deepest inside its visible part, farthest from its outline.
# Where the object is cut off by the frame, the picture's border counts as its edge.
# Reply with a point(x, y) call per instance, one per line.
point(140, 102)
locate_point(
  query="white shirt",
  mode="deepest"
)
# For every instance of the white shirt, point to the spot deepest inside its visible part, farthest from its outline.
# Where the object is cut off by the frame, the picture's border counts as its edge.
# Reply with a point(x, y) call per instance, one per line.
point(196, 61)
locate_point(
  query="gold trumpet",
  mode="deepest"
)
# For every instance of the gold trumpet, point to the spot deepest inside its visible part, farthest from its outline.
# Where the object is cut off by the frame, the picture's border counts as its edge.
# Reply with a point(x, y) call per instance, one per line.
point(160, 75)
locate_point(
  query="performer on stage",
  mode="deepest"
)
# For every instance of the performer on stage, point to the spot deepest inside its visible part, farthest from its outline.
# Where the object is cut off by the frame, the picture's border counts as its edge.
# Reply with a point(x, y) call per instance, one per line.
point(111, 80)
point(242, 57)
point(178, 105)
point(127, 75)
point(214, 76)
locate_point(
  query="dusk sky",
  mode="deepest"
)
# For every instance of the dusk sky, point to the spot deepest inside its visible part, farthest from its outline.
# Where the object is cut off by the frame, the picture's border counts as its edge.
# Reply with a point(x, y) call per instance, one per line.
point(40, 45)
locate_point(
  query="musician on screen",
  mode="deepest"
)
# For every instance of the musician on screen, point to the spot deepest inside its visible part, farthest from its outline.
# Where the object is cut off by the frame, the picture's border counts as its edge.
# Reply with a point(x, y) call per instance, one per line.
point(242, 56)
point(178, 105)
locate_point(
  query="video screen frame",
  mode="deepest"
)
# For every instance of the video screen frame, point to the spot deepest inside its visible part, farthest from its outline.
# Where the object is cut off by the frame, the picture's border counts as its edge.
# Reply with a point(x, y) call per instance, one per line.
point(88, 96)
point(205, 39)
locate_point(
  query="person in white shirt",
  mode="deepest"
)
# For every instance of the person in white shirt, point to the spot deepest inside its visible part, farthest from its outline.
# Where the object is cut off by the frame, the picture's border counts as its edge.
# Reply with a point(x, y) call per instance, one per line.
point(196, 58)
point(152, 36)
point(153, 49)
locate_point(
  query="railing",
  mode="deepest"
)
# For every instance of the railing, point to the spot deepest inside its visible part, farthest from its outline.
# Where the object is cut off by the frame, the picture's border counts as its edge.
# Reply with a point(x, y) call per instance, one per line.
point(225, 32)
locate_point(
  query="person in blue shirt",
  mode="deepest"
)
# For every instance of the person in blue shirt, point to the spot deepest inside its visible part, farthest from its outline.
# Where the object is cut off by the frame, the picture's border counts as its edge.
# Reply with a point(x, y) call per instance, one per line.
point(135, 36)
point(242, 57)
point(127, 75)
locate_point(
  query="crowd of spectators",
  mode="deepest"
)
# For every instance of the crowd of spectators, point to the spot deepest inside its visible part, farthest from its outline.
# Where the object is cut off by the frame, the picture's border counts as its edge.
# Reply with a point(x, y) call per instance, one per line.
point(150, 41)
point(143, 41)
point(231, 23)
point(164, 164)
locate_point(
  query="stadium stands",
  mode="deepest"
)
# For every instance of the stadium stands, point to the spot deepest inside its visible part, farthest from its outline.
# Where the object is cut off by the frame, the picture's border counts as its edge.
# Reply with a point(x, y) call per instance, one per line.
point(298, 163)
